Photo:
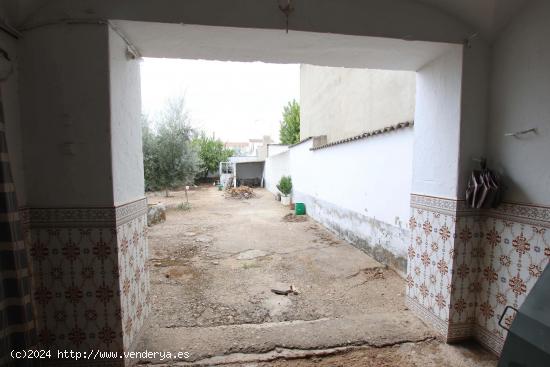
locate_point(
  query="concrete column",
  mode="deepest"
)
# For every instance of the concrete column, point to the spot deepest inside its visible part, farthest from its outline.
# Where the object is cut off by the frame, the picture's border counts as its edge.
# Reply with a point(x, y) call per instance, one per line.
point(85, 215)
point(128, 188)
point(443, 256)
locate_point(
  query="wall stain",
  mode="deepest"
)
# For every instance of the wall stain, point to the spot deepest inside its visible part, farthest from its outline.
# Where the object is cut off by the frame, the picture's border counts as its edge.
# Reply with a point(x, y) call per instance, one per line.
point(386, 243)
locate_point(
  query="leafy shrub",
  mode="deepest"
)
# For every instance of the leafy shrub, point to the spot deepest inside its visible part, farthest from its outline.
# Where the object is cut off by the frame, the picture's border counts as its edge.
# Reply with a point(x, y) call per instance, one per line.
point(211, 153)
point(285, 185)
point(169, 158)
point(183, 206)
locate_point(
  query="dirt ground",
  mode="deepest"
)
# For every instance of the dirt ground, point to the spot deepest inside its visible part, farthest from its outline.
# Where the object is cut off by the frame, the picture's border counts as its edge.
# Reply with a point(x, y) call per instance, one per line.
point(213, 269)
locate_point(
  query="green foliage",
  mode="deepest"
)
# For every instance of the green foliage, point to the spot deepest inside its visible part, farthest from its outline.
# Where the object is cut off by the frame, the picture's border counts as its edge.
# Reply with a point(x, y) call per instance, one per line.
point(183, 206)
point(251, 265)
point(289, 132)
point(285, 185)
point(211, 153)
point(169, 158)
point(149, 154)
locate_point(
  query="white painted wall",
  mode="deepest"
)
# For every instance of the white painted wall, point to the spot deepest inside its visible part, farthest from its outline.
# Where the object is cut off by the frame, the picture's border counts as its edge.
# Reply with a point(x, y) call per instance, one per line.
point(276, 166)
point(474, 111)
point(65, 116)
point(81, 132)
point(238, 159)
point(273, 45)
point(520, 100)
point(126, 143)
point(273, 149)
point(369, 176)
point(359, 189)
point(343, 102)
point(437, 126)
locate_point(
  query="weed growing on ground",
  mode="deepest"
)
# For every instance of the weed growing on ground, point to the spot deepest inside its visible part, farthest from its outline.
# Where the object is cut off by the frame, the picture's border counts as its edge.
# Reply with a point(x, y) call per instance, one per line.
point(251, 265)
point(183, 206)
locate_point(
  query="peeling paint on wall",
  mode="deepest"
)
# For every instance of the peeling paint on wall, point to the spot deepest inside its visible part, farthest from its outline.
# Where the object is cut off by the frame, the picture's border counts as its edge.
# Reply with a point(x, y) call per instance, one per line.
point(354, 192)
point(382, 241)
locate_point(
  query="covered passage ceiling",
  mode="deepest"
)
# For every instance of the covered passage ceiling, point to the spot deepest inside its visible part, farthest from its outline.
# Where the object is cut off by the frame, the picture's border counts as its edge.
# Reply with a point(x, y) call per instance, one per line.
point(276, 46)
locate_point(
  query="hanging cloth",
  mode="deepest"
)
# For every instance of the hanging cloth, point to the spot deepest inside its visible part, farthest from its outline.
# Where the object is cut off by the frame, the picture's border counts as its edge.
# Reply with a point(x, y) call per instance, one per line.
point(484, 189)
point(17, 327)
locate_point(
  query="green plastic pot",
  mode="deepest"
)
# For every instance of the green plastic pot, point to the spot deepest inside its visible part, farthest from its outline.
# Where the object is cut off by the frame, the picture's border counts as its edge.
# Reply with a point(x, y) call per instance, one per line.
point(299, 208)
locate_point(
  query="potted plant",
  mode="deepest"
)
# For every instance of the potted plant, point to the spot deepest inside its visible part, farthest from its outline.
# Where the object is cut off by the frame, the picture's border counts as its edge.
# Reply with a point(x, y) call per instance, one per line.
point(285, 187)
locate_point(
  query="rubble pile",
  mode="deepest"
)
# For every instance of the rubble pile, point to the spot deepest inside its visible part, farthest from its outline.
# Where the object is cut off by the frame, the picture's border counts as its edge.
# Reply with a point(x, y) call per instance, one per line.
point(241, 192)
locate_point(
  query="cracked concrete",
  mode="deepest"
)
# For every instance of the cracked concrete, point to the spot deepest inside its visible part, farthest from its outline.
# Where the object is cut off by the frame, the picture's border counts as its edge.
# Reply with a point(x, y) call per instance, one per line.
point(377, 330)
point(213, 298)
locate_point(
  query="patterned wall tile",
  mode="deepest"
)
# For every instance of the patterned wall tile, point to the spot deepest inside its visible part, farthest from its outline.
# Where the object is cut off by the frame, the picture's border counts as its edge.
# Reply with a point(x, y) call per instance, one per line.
point(90, 281)
point(466, 269)
point(75, 287)
point(134, 277)
point(493, 259)
point(430, 267)
point(517, 251)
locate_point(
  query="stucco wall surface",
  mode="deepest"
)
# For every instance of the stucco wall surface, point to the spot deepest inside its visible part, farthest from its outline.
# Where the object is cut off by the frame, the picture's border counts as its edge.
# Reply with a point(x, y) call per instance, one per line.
point(80, 120)
point(276, 166)
point(65, 116)
point(360, 190)
point(474, 114)
point(273, 149)
point(125, 94)
point(343, 102)
point(437, 126)
point(520, 86)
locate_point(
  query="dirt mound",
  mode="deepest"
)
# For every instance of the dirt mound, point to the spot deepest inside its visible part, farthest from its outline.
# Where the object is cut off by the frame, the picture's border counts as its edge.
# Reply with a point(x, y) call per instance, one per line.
point(291, 217)
point(241, 192)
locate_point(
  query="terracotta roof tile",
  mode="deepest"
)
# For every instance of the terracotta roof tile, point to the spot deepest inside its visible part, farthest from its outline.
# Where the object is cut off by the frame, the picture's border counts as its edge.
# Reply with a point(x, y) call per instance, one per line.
point(367, 134)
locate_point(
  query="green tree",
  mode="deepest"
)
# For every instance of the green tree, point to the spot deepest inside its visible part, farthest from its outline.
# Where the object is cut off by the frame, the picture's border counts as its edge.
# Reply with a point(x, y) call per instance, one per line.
point(289, 132)
point(169, 158)
point(149, 154)
point(211, 153)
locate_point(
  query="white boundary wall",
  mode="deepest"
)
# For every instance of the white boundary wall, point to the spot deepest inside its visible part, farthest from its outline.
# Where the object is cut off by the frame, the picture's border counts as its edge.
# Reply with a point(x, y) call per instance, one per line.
point(360, 190)
point(276, 166)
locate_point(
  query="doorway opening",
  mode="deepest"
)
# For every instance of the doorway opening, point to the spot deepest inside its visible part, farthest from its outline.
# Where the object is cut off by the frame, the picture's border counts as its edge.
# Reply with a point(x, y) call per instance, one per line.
point(234, 278)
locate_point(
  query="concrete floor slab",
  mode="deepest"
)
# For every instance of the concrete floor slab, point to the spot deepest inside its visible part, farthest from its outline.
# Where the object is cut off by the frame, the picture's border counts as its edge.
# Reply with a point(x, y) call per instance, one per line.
point(214, 298)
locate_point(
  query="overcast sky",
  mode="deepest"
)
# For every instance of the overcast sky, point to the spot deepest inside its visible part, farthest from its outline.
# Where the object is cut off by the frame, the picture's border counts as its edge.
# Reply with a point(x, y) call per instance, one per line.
point(235, 100)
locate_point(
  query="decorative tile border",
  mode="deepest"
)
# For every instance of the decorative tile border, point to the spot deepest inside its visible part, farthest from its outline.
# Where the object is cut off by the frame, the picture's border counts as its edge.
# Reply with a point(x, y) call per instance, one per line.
point(130, 211)
point(90, 280)
point(441, 205)
point(522, 213)
point(88, 217)
point(70, 217)
point(496, 258)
